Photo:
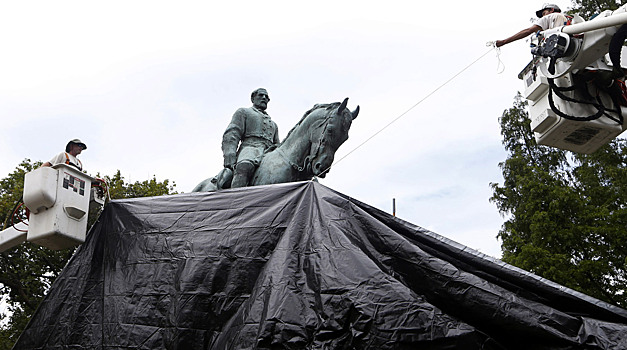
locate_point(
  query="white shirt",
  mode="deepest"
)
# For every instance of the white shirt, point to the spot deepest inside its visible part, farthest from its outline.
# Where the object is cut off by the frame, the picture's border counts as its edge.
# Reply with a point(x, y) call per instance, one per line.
point(63, 157)
point(552, 20)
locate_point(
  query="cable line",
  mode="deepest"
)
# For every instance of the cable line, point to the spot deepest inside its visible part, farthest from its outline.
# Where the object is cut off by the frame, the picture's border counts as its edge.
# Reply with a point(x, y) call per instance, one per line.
point(419, 102)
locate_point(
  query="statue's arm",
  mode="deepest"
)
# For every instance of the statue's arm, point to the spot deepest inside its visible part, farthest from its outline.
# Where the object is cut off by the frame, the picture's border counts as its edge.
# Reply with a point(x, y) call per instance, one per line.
point(232, 136)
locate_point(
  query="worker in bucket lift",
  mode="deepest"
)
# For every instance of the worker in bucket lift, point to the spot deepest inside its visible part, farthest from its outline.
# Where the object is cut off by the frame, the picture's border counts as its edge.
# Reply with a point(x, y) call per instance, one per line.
point(549, 17)
point(69, 157)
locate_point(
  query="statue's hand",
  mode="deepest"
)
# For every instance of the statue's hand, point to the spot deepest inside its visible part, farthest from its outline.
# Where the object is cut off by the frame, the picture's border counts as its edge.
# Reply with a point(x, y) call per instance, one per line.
point(229, 161)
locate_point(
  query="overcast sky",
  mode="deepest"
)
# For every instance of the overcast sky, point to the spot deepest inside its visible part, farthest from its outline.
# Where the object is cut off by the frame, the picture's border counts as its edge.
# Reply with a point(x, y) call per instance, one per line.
point(150, 86)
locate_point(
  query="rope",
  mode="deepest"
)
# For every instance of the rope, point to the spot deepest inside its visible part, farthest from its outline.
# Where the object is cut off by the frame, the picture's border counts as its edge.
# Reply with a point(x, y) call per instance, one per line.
point(500, 63)
point(416, 104)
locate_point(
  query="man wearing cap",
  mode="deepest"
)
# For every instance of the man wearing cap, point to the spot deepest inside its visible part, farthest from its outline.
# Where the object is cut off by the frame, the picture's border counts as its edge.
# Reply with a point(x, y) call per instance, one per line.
point(69, 157)
point(254, 132)
point(549, 17)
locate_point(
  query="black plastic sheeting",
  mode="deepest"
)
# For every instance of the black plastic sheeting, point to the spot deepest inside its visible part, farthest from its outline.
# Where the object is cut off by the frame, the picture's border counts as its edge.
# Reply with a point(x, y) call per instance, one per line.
point(299, 266)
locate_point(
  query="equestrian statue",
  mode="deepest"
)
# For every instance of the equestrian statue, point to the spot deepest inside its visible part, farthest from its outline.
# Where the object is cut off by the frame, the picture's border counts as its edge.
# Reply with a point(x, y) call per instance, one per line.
point(253, 155)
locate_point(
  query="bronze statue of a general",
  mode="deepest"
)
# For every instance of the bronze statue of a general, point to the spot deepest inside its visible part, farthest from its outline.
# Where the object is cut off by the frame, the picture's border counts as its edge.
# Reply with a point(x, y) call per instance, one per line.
point(252, 150)
point(250, 133)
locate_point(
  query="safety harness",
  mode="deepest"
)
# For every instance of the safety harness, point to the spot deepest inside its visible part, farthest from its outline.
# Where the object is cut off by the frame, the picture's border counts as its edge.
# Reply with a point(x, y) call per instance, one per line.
point(78, 166)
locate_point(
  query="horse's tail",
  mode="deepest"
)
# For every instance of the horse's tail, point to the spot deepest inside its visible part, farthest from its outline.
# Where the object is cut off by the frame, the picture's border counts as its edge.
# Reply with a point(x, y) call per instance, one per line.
point(218, 182)
point(203, 185)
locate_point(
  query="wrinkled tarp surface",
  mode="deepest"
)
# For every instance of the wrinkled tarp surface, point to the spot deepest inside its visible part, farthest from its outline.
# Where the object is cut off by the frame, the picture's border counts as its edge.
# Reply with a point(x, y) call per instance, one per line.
point(299, 266)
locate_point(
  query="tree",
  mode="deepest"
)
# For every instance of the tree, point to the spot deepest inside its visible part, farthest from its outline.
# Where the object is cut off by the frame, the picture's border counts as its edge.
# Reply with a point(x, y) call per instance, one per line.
point(566, 213)
point(28, 270)
point(120, 189)
point(586, 8)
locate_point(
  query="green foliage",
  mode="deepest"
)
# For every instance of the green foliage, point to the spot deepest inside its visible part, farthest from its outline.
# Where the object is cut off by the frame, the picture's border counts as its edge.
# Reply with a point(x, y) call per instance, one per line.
point(566, 213)
point(586, 8)
point(119, 189)
point(28, 270)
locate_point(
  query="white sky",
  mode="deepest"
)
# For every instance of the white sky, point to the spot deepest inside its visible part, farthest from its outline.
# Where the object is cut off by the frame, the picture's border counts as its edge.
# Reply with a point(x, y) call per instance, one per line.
point(150, 86)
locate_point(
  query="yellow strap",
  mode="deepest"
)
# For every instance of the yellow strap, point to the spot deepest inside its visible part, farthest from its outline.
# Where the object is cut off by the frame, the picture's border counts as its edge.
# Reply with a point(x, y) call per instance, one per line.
point(79, 166)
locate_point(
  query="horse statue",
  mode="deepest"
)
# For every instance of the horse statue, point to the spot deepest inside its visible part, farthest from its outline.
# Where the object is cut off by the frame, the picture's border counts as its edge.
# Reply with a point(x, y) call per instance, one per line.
point(307, 150)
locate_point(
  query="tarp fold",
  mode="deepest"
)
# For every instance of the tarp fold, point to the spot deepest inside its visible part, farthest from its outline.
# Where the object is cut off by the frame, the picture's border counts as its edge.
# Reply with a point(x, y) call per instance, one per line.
point(299, 266)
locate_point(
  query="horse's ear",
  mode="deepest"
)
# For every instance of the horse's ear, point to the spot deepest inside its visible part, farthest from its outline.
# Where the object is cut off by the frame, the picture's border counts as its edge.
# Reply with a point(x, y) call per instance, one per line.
point(355, 112)
point(342, 106)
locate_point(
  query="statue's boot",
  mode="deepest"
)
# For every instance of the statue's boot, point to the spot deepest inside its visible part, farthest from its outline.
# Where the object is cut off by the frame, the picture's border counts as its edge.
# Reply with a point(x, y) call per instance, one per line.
point(243, 173)
point(223, 179)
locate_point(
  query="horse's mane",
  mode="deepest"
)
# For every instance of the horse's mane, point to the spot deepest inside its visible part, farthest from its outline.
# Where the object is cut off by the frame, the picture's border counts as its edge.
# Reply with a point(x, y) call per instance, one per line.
point(326, 106)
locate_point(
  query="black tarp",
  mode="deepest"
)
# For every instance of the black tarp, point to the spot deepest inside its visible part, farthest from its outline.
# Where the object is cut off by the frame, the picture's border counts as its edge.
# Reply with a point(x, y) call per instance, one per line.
point(299, 266)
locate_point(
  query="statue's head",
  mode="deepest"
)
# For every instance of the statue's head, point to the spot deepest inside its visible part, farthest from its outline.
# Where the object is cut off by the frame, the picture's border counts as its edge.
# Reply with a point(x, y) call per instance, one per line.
point(260, 99)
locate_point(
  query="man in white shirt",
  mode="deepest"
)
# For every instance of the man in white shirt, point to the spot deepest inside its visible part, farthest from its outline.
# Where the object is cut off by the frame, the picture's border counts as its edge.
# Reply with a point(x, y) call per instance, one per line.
point(549, 17)
point(69, 157)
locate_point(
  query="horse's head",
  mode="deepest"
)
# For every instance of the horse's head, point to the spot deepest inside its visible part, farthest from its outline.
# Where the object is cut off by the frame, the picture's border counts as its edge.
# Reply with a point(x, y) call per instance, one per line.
point(328, 134)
